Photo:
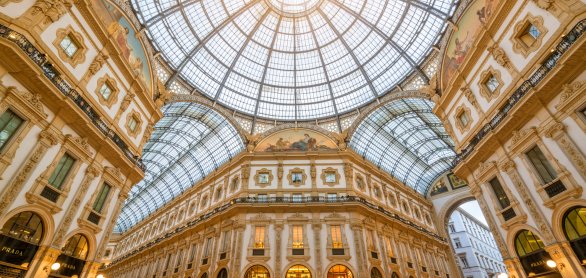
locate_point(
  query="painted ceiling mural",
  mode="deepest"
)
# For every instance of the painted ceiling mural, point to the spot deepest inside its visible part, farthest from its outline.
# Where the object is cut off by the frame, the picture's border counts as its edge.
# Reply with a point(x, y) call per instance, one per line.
point(300, 140)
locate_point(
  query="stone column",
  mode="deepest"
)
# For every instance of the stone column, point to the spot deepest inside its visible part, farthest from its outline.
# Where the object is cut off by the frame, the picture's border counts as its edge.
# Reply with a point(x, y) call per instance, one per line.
point(567, 264)
point(40, 267)
point(47, 138)
point(316, 226)
point(360, 249)
point(237, 262)
point(278, 230)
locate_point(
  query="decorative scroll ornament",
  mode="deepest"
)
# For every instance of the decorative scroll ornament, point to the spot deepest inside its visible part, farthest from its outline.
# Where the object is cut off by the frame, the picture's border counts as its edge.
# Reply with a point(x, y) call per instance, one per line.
point(544, 4)
point(126, 101)
point(500, 56)
point(97, 64)
point(470, 97)
point(569, 90)
point(52, 9)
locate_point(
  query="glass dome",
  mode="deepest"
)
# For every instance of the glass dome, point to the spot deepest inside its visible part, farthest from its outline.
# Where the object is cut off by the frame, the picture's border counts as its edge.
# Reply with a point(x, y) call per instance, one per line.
point(294, 59)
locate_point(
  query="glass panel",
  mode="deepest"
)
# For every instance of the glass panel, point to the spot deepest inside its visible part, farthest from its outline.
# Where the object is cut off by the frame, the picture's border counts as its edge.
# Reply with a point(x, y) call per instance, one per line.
point(26, 226)
point(541, 165)
point(575, 223)
point(60, 172)
point(77, 247)
point(336, 231)
point(226, 243)
point(257, 271)
point(339, 271)
point(526, 243)
point(69, 46)
point(500, 193)
point(298, 271)
point(101, 198)
point(492, 83)
point(297, 236)
point(9, 124)
point(259, 237)
point(106, 91)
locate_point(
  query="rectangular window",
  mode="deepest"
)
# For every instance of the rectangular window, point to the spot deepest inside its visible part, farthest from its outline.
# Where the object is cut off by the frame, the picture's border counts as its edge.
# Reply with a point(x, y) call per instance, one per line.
point(541, 165)
point(9, 124)
point(132, 123)
point(500, 193)
point(457, 243)
point(259, 237)
point(464, 261)
point(60, 172)
point(179, 259)
point(297, 236)
point(69, 46)
point(369, 240)
point(226, 242)
point(192, 253)
point(336, 231)
point(491, 83)
point(452, 228)
point(106, 91)
point(463, 118)
point(101, 198)
point(297, 197)
point(206, 251)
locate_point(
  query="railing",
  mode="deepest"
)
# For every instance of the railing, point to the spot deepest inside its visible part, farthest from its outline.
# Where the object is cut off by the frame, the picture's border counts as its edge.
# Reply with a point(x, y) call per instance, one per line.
point(289, 201)
point(509, 214)
point(555, 188)
point(50, 194)
point(549, 63)
point(40, 59)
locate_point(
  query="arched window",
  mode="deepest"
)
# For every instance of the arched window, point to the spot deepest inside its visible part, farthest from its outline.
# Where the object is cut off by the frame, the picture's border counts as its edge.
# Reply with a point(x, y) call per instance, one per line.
point(26, 226)
point(339, 271)
point(257, 271)
point(375, 273)
point(574, 226)
point(530, 250)
point(395, 275)
point(223, 273)
point(298, 271)
point(77, 247)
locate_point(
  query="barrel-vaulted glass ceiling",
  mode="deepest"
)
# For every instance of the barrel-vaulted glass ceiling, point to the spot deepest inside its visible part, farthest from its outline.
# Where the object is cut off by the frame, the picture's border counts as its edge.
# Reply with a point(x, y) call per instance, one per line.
point(188, 143)
point(294, 59)
point(405, 139)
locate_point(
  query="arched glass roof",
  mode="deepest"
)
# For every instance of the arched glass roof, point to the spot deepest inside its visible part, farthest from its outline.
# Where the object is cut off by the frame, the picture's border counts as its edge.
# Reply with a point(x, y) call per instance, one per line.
point(405, 139)
point(188, 143)
point(294, 59)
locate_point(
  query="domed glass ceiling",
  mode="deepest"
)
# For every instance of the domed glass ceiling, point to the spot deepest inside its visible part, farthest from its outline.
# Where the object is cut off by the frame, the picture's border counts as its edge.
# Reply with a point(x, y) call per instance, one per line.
point(294, 59)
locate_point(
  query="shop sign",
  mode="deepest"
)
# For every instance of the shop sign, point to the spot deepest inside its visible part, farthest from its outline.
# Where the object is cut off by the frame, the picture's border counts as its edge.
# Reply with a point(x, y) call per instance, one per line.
point(16, 252)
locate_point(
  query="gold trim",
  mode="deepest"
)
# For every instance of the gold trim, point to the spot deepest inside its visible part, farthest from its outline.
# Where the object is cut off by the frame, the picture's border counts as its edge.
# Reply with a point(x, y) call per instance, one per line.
point(461, 127)
point(297, 170)
point(134, 114)
point(484, 90)
point(519, 46)
point(260, 172)
point(79, 55)
point(330, 170)
point(111, 83)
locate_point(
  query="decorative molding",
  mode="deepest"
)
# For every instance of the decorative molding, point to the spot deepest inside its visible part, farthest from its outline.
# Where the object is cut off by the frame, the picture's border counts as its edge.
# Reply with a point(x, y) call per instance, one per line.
point(301, 173)
point(459, 125)
point(484, 90)
point(111, 83)
point(79, 56)
point(269, 177)
point(52, 10)
point(519, 30)
point(500, 56)
point(471, 98)
point(96, 64)
point(330, 171)
point(544, 4)
point(138, 119)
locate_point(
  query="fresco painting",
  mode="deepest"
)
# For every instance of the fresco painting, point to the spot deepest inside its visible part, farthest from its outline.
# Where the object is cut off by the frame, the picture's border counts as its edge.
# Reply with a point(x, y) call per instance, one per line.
point(124, 36)
point(456, 182)
point(296, 140)
point(462, 40)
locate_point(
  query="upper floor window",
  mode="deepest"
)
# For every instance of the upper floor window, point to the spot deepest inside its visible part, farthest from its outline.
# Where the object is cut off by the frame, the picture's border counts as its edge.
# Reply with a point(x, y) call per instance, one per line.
point(492, 83)
point(541, 165)
point(259, 237)
point(457, 243)
point(132, 123)
point(69, 46)
point(500, 193)
point(60, 172)
point(106, 90)
point(226, 242)
point(262, 198)
point(464, 261)
point(101, 198)
point(77, 247)
point(336, 231)
point(9, 124)
point(463, 118)
point(206, 250)
point(297, 236)
point(530, 34)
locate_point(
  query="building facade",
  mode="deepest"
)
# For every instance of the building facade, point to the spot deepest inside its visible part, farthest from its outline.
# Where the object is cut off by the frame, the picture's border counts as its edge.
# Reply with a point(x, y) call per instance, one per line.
point(476, 251)
point(281, 138)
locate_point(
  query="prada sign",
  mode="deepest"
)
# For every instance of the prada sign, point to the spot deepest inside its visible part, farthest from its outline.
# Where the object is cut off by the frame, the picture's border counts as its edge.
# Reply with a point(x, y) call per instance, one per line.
point(69, 266)
point(16, 252)
point(535, 263)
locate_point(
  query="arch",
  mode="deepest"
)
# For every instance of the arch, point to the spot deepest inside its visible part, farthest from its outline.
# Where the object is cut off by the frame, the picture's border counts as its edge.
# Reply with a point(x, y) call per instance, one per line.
point(204, 275)
point(449, 207)
point(90, 236)
point(76, 246)
point(296, 270)
point(223, 273)
point(574, 226)
point(188, 143)
point(49, 224)
point(375, 273)
point(257, 271)
point(558, 215)
point(337, 270)
point(395, 275)
point(405, 139)
point(531, 253)
point(25, 226)
point(331, 135)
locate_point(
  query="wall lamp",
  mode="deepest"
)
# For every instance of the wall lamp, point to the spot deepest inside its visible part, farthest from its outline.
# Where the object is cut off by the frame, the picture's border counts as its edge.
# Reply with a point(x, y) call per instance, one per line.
point(54, 267)
point(554, 265)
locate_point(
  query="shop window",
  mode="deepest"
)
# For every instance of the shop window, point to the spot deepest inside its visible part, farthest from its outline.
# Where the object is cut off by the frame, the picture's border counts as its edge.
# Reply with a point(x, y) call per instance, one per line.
point(257, 271)
point(339, 271)
point(9, 124)
point(532, 254)
point(298, 271)
point(574, 225)
point(25, 226)
point(61, 171)
point(77, 247)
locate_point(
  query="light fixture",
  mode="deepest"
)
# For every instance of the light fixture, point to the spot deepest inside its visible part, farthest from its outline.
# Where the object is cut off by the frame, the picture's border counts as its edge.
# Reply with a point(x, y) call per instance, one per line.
point(55, 266)
point(551, 263)
point(502, 275)
point(100, 276)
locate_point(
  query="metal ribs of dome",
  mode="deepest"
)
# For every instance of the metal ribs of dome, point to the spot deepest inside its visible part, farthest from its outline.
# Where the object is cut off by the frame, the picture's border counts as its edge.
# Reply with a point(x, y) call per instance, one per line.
point(326, 60)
